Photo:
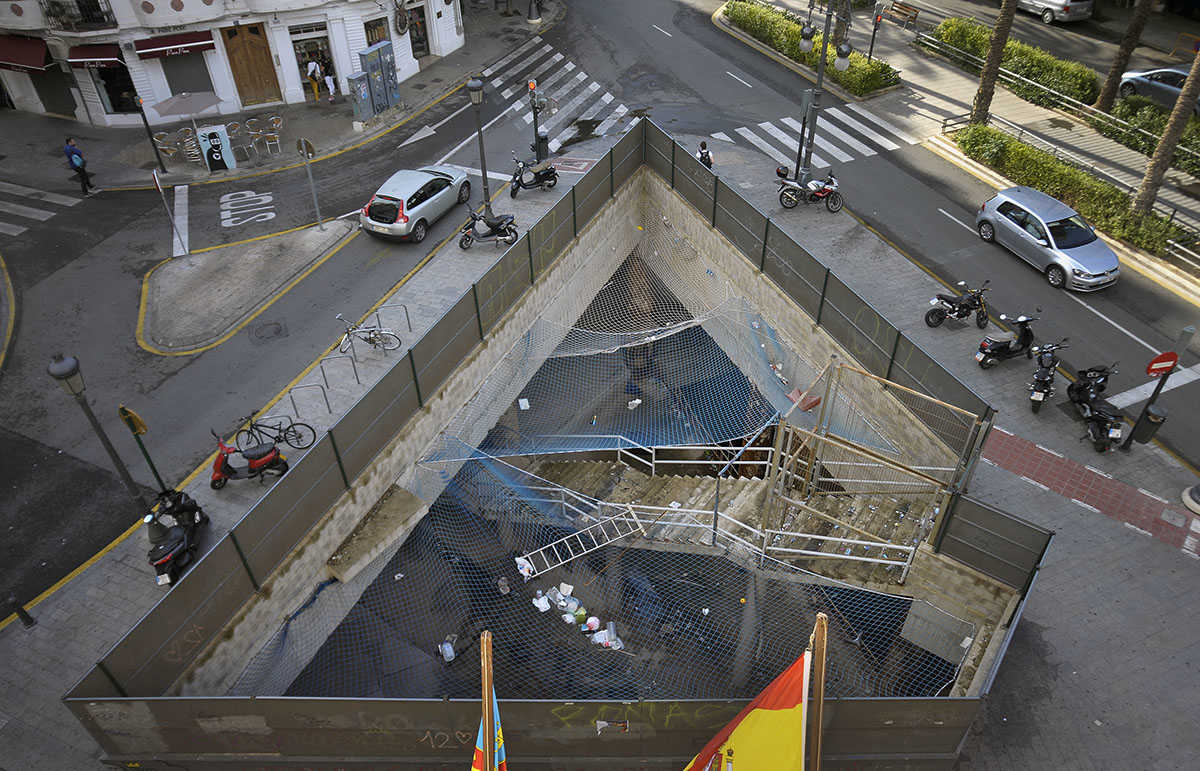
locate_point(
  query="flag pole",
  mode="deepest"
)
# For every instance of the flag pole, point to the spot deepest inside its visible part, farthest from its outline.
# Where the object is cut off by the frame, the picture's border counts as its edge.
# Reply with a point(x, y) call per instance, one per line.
point(816, 644)
point(489, 725)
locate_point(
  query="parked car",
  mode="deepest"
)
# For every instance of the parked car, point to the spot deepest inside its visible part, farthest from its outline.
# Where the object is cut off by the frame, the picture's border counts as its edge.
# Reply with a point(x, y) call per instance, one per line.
point(410, 201)
point(1049, 235)
point(1162, 85)
point(1058, 10)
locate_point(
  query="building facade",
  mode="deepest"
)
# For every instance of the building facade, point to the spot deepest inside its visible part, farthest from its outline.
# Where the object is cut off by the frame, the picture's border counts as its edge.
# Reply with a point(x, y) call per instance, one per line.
point(90, 60)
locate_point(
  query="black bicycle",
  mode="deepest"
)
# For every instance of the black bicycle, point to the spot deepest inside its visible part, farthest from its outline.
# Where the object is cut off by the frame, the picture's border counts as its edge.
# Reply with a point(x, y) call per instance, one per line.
point(288, 431)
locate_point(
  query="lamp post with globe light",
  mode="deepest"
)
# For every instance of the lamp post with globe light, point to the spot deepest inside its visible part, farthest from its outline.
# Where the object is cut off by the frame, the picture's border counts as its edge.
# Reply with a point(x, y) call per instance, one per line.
point(841, 64)
point(475, 90)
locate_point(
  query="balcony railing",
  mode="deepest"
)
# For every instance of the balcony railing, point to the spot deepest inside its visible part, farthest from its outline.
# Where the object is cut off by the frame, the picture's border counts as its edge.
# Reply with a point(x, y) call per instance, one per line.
point(78, 15)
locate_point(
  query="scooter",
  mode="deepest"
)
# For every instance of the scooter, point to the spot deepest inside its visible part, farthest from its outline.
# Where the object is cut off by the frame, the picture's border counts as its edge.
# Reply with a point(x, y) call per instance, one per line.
point(174, 549)
point(998, 346)
point(261, 461)
point(792, 192)
point(542, 175)
point(961, 307)
point(502, 230)
point(1103, 424)
point(1042, 387)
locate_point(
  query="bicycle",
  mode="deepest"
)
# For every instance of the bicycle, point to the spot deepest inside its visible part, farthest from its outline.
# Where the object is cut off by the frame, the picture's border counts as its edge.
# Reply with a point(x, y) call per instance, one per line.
point(298, 435)
point(376, 337)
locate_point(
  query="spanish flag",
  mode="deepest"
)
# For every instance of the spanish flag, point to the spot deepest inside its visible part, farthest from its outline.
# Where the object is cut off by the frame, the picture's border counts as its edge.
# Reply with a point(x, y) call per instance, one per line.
point(477, 762)
point(768, 735)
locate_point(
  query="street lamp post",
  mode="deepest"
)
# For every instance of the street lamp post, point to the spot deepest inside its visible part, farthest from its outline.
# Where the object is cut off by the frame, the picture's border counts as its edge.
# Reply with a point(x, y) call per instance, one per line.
point(475, 89)
point(804, 170)
point(66, 372)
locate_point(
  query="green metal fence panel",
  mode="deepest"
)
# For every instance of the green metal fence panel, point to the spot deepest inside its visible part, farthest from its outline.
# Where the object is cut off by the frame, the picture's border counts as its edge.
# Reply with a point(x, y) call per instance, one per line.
point(916, 369)
point(857, 326)
point(441, 349)
point(800, 275)
point(591, 192)
point(627, 154)
point(378, 416)
point(994, 542)
point(503, 284)
point(693, 180)
point(552, 232)
point(901, 728)
point(740, 222)
point(658, 150)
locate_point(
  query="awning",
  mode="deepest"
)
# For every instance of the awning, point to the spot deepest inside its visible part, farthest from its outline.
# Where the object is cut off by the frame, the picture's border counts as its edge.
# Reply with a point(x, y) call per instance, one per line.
point(100, 55)
point(169, 45)
point(24, 53)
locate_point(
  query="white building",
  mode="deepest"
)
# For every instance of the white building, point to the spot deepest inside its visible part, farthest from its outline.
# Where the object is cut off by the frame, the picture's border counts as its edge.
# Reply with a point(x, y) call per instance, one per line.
point(89, 59)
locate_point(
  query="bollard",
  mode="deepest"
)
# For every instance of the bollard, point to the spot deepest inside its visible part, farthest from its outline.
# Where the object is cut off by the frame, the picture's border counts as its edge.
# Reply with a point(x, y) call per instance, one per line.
point(27, 620)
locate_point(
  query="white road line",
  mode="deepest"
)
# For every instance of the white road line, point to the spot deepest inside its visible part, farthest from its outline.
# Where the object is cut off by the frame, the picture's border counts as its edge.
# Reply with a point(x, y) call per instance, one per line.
point(11, 230)
point(349, 214)
point(553, 60)
point(762, 144)
point(956, 219)
point(567, 69)
point(471, 137)
point(1131, 335)
point(1135, 527)
point(528, 60)
point(1140, 393)
point(1052, 452)
point(179, 246)
point(828, 128)
point(561, 93)
point(447, 119)
point(39, 195)
point(881, 122)
point(1087, 506)
point(1036, 484)
point(571, 130)
point(660, 29)
point(611, 119)
point(520, 50)
point(568, 109)
point(476, 172)
point(721, 135)
point(27, 212)
point(739, 80)
point(1095, 470)
point(879, 139)
point(791, 144)
point(1149, 494)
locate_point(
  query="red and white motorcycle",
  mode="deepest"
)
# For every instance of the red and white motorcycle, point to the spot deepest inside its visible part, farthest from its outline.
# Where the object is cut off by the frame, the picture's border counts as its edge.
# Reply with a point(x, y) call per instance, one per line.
point(792, 192)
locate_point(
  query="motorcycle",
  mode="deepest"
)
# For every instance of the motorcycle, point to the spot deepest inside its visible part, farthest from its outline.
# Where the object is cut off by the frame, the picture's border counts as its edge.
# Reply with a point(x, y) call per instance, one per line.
point(1103, 424)
point(172, 550)
point(500, 229)
point(792, 192)
point(543, 175)
point(948, 306)
point(1042, 387)
point(998, 346)
point(260, 461)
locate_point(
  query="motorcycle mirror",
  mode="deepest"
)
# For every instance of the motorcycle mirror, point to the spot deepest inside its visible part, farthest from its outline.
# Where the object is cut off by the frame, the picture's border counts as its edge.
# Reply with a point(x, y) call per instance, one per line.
point(1039, 310)
point(214, 433)
point(962, 283)
point(1035, 349)
point(987, 281)
point(148, 518)
point(1003, 317)
point(339, 317)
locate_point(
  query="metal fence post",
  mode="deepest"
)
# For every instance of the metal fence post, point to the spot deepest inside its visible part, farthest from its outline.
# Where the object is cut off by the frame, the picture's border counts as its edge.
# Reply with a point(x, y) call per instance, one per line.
point(245, 562)
point(762, 263)
point(942, 522)
point(416, 380)
point(529, 244)
point(337, 455)
point(479, 318)
point(892, 358)
point(820, 305)
point(574, 214)
point(112, 680)
point(673, 143)
point(611, 174)
point(716, 184)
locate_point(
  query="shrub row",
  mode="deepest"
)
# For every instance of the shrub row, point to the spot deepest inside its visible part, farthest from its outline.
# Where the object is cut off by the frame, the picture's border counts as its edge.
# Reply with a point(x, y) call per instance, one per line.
point(1102, 204)
point(1141, 113)
point(781, 30)
point(1070, 78)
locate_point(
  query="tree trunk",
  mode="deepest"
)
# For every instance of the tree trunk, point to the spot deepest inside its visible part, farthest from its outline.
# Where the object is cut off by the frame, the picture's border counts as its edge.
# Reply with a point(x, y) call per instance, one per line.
point(841, 22)
point(991, 67)
point(1133, 35)
point(1185, 107)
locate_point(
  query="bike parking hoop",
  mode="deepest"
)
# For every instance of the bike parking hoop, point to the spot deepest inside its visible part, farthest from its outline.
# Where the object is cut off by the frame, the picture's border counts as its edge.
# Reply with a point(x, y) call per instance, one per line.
point(324, 395)
point(407, 319)
point(353, 365)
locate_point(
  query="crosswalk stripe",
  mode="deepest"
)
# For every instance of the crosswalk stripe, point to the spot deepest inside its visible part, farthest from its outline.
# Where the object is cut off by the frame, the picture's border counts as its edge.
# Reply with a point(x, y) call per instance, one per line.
point(589, 114)
point(611, 119)
point(515, 53)
point(881, 140)
point(519, 66)
point(25, 211)
point(762, 144)
point(831, 148)
point(550, 62)
point(793, 144)
point(881, 122)
point(721, 135)
point(829, 128)
point(11, 230)
point(567, 69)
point(561, 93)
point(566, 109)
point(595, 109)
point(40, 195)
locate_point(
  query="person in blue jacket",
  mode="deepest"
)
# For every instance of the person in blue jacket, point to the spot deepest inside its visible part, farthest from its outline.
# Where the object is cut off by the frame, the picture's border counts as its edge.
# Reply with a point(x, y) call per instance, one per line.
point(78, 164)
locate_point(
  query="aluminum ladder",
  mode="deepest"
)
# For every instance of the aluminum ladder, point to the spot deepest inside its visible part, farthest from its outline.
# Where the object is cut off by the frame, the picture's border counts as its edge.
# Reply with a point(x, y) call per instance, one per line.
point(584, 541)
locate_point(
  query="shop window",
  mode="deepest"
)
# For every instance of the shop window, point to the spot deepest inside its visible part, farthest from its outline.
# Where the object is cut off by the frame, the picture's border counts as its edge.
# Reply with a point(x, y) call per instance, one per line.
point(307, 29)
point(186, 73)
point(115, 88)
point(377, 30)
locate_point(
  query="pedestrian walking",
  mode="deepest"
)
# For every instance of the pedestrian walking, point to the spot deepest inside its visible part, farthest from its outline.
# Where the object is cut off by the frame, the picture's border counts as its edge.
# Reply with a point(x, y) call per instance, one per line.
point(315, 73)
point(78, 164)
point(327, 67)
point(704, 155)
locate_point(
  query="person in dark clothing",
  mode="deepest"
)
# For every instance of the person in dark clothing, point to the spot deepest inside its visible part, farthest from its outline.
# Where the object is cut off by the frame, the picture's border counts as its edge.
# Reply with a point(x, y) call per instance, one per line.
point(78, 164)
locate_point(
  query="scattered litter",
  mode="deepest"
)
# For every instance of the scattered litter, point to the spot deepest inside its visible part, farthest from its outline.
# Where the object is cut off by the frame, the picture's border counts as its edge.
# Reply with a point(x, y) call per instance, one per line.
point(541, 602)
point(622, 724)
point(593, 420)
point(566, 589)
point(675, 504)
point(399, 576)
point(523, 403)
point(591, 625)
point(524, 567)
point(743, 600)
point(755, 324)
point(704, 611)
point(447, 647)
point(633, 403)
point(502, 585)
point(1097, 722)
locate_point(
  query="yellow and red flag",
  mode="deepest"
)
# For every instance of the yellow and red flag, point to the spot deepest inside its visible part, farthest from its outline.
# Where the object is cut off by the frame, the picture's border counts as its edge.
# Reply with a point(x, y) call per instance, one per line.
point(500, 763)
point(768, 735)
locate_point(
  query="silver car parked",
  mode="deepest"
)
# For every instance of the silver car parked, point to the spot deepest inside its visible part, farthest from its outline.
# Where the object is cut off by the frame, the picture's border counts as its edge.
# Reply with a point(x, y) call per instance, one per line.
point(1049, 235)
point(1162, 85)
point(1058, 10)
point(410, 201)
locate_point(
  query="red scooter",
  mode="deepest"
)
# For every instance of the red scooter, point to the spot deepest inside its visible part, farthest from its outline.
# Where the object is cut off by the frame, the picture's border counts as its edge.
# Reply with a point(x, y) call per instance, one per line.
point(260, 461)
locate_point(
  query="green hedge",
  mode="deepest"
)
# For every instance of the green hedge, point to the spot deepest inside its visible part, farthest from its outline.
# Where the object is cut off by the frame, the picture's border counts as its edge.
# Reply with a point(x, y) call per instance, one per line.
point(1070, 78)
point(1102, 204)
point(1149, 116)
point(781, 30)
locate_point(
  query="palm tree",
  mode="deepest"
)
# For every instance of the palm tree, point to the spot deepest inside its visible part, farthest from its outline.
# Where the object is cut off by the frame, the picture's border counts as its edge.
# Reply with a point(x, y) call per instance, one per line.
point(1133, 35)
point(1185, 107)
point(991, 67)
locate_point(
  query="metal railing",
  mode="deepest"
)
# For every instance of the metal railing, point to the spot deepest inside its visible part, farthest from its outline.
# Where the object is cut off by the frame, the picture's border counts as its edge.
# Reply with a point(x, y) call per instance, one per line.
point(78, 15)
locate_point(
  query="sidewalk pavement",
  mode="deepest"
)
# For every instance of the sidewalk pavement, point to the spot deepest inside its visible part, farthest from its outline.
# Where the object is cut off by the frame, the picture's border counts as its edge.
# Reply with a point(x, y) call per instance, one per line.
point(124, 157)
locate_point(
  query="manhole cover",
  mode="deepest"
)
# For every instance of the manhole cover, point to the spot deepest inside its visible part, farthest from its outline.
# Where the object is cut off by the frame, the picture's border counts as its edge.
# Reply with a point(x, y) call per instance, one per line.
point(264, 333)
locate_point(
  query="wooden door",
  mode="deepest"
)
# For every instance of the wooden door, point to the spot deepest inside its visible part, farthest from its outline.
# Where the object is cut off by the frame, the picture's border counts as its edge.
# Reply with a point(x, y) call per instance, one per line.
point(251, 63)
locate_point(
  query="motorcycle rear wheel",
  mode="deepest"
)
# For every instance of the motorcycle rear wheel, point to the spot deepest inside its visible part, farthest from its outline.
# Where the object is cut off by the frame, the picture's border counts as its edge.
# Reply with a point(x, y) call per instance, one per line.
point(981, 319)
point(1100, 445)
point(217, 484)
point(465, 241)
point(514, 188)
point(988, 362)
point(935, 316)
point(788, 199)
point(510, 236)
point(833, 201)
point(552, 181)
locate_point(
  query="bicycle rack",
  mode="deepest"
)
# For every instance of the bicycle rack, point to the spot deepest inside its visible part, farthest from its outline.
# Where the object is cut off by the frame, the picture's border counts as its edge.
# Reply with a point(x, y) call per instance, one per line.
point(339, 356)
point(291, 395)
point(407, 320)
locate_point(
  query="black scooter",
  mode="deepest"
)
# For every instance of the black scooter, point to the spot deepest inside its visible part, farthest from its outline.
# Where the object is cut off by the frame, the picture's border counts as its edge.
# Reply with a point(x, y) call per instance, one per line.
point(948, 306)
point(542, 175)
point(502, 230)
point(998, 346)
point(1103, 422)
point(172, 550)
point(1042, 387)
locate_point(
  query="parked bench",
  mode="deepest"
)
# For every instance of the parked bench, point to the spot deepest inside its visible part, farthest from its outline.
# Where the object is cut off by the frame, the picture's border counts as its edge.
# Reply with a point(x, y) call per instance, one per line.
point(903, 14)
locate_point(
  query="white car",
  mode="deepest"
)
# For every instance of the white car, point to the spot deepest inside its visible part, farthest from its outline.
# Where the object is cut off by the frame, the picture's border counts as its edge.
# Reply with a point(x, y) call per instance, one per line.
point(410, 201)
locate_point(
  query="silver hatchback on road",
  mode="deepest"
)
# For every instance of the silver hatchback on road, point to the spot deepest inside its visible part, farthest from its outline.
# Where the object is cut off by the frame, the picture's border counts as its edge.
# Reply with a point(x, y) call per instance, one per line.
point(410, 201)
point(1049, 235)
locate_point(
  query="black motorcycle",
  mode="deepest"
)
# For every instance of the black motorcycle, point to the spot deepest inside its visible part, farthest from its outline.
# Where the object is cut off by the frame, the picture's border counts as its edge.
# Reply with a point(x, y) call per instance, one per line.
point(960, 307)
point(1103, 421)
point(1042, 387)
point(530, 174)
point(173, 547)
point(502, 229)
point(998, 346)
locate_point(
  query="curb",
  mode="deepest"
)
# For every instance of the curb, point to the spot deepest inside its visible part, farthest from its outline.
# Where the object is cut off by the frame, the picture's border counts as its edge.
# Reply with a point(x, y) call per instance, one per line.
point(8, 312)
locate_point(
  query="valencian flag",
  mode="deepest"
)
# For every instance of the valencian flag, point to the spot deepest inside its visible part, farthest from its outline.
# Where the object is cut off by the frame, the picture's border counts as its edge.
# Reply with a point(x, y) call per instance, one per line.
point(477, 762)
point(768, 735)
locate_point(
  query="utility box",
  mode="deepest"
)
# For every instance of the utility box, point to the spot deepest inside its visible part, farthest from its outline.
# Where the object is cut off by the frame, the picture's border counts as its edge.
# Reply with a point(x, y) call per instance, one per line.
point(379, 64)
point(360, 95)
point(541, 148)
point(1149, 423)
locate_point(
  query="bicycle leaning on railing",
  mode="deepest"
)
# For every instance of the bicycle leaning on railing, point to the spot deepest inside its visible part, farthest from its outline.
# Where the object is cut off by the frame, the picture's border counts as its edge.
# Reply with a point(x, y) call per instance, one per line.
point(376, 337)
point(288, 431)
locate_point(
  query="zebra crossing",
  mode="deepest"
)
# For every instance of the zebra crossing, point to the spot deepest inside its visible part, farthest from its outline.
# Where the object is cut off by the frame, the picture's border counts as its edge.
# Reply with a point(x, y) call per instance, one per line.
point(843, 134)
point(34, 206)
point(573, 95)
